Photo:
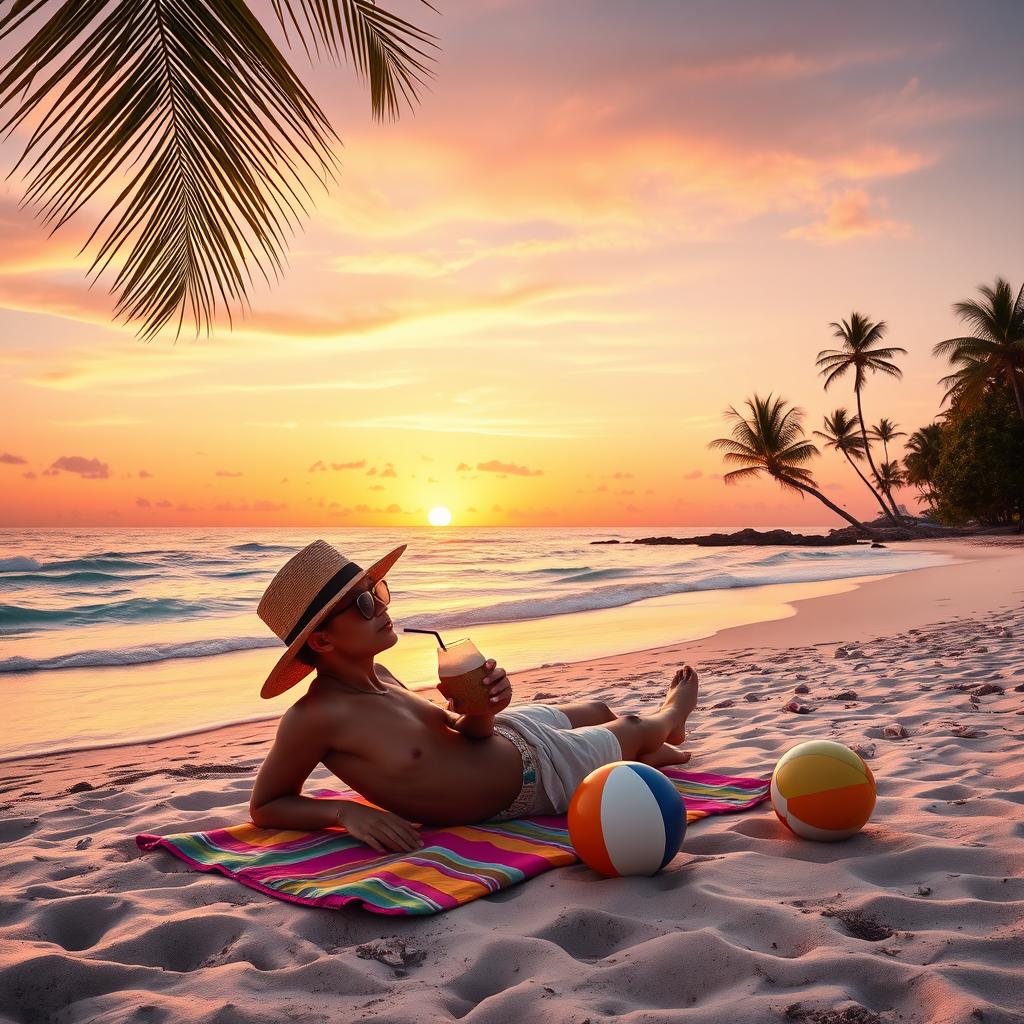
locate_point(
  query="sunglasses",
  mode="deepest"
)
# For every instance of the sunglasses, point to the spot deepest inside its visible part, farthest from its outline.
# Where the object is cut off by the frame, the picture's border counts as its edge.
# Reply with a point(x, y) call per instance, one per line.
point(366, 601)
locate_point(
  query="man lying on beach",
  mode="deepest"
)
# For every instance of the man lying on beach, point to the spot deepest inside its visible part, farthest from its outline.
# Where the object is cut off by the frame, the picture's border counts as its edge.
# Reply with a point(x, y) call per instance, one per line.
point(418, 762)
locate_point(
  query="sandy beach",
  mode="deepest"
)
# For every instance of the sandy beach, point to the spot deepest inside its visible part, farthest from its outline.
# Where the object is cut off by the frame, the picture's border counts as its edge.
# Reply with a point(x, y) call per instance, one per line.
point(920, 918)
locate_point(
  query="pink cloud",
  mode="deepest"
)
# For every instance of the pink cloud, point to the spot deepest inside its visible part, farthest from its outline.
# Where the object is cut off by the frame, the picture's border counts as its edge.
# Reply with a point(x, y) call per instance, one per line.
point(509, 468)
point(87, 469)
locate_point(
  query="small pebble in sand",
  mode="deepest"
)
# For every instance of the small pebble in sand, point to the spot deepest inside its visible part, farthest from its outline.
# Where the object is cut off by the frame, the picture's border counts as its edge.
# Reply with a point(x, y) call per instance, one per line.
point(986, 688)
point(727, 703)
point(967, 732)
point(83, 844)
point(895, 731)
point(865, 750)
point(756, 696)
point(924, 890)
point(797, 708)
point(842, 652)
point(393, 952)
point(81, 787)
point(543, 695)
point(801, 688)
point(846, 695)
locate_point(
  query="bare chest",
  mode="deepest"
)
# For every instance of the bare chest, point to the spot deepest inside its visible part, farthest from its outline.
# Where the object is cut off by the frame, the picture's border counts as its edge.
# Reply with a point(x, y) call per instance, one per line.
point(388, 734)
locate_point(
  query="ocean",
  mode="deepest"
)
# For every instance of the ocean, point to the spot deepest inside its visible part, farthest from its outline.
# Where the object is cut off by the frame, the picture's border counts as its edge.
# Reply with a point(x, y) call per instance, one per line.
point(119, 635)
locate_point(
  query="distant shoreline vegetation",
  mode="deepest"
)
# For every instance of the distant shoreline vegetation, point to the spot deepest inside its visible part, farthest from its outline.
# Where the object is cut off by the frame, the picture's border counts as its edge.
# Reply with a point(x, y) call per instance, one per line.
point(967, 465)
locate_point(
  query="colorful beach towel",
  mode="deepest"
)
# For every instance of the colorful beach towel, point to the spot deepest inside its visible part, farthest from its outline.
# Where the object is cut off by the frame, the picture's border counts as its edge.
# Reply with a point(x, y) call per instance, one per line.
point(456, 865)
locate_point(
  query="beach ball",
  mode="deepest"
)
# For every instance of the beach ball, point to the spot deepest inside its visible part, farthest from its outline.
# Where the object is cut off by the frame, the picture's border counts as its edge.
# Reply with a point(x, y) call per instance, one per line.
point(823, 790)
point(626, 818)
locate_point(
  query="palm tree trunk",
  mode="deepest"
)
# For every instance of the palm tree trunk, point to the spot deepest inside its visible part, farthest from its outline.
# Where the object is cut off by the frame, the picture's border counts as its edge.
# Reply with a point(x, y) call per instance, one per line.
point(1016, 391)
point(894, 514)
point(856, 523)
point(867, 484)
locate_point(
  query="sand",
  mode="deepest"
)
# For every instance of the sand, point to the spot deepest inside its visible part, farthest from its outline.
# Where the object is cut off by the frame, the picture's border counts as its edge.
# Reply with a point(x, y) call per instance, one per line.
point(919, 918)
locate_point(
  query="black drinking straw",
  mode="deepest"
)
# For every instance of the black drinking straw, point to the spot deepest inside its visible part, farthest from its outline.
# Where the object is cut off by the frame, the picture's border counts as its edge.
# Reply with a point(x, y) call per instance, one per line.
point(429, 632)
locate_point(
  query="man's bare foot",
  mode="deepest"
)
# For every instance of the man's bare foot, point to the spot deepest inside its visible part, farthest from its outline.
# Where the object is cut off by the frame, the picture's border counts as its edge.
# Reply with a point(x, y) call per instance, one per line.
point(682, 699)
point(667, 755)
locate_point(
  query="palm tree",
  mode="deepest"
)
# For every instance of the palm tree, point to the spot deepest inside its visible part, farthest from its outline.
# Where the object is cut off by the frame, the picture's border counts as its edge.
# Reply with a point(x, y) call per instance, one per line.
point(771, 440)
point(892, 476)
point(922, 458)
point(841, 435)
point(861, 351)
point(995, 351)
point(885, 431)
point(193, 116)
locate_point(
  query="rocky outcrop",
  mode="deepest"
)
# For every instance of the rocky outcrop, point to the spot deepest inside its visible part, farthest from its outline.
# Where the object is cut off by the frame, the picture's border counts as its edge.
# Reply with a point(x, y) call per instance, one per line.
point(879, 532)
point(748, 536)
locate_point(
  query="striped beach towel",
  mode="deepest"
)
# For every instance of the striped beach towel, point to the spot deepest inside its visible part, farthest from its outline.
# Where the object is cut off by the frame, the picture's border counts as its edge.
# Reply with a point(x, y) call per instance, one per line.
point(456, 865)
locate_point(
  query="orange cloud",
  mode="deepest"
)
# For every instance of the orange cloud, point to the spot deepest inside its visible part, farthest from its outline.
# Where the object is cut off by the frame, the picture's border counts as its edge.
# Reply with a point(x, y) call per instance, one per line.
point(851, 215)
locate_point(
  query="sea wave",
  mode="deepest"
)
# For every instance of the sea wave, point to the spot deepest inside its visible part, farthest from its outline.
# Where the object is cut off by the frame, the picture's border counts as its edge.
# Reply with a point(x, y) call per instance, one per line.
point(256, 546)
point(95, 562)
point(18, 563)
point(138, 655)
point(539, 606)
point(18, 619)
point(60, 579)
point(811, 555)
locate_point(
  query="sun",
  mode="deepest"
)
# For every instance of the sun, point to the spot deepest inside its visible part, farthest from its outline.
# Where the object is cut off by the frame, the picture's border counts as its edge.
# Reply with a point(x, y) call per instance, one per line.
point(439, 516)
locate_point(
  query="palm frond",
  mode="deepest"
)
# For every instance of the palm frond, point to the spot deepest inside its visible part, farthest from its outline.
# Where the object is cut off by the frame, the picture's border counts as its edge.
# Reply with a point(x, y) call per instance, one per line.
point(980, 317)
point(953, 348)
point(385, 49)
point(880, 366)
point(741, 474)
point(793, 476)
point(1018, 306)
point(835, 374)
point(801, 451)
point(886, 353)
point(194, 104)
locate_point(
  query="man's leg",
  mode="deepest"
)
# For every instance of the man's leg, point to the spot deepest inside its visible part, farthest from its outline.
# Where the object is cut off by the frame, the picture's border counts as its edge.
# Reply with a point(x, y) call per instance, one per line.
point(591, 712)
point(644, 737)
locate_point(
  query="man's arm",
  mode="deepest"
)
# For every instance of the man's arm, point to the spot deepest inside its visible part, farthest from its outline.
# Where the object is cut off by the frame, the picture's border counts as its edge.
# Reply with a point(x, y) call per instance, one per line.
point(276, 801)
point(475, 726)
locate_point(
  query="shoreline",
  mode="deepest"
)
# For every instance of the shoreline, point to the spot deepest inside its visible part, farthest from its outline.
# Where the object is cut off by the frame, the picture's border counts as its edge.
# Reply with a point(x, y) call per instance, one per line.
point(871, 604)
point(917, 918)
point(217, 692)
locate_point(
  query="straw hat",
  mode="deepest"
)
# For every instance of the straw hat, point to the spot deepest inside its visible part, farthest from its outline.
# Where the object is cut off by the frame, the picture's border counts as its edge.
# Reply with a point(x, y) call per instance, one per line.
point(301, 595)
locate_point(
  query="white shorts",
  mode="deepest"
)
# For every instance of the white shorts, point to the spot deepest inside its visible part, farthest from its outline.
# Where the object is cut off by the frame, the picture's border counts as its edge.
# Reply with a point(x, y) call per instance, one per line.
point(563, 756)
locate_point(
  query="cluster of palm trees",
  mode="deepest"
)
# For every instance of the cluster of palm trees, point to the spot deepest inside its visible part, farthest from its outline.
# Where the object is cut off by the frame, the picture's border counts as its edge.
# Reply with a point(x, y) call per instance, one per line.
point(769, 437)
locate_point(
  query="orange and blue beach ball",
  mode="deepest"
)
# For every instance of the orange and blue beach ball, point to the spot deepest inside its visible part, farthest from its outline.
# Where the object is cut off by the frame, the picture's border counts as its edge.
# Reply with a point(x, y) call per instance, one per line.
point(626, 818)
point(823, 790)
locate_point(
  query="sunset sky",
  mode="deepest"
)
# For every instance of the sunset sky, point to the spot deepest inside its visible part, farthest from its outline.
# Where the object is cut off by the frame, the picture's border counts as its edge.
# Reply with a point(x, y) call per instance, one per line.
point(531, 301)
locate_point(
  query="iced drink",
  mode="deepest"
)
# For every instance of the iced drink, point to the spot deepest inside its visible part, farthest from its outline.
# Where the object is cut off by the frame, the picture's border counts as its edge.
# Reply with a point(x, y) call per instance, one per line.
point(460, 670)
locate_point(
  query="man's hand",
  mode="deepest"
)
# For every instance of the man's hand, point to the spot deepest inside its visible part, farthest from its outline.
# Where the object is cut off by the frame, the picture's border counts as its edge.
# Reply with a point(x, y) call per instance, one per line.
point(499, 687)
point(378, 828)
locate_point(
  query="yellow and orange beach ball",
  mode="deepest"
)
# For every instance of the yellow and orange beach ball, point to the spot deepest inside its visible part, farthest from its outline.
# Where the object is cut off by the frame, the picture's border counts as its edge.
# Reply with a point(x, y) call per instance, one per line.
point(823, 790)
